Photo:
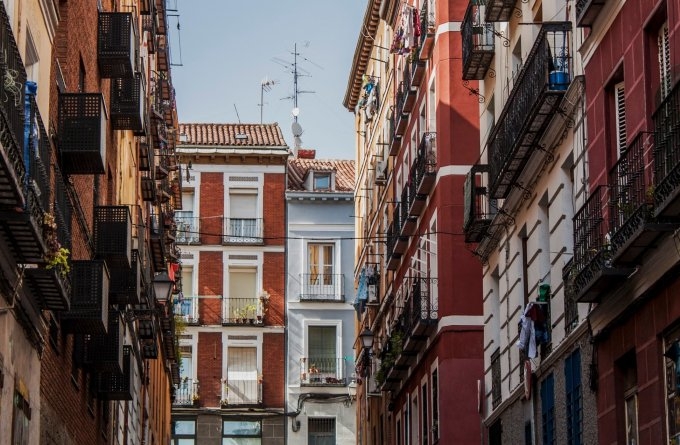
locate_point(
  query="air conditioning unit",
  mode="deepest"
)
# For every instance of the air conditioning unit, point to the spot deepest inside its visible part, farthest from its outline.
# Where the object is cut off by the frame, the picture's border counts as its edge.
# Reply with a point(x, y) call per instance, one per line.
point(381, 173)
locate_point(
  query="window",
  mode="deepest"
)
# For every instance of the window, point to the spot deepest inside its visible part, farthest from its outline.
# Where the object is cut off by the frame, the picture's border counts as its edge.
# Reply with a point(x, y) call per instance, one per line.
point(620, 117)
point(184, 432)
point(321, 279)
point(572, 374)
point(241, 432)
point(321, 431)
point(496, 378)
point(187, 223)
point(243, 226)
point(435, 405)
point(242, 383)
point(322, 181)
point(187, 390)
point(322, 358)
point(413, 418)
point(548, 409)
point(672, 362)
point(424, 395)
point(496, 433)
point(627, 383)
point(32, 58)
point(21, 418)
point(664, 53)
point(242, 303)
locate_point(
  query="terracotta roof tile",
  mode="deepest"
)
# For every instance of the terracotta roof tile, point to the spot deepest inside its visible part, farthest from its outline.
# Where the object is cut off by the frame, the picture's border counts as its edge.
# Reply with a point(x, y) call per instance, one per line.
point(298, 169)
point(231, 135)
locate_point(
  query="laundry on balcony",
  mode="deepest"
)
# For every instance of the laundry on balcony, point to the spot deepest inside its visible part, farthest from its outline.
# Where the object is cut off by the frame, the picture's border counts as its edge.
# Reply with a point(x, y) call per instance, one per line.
point(533, 329)
point(405, 39)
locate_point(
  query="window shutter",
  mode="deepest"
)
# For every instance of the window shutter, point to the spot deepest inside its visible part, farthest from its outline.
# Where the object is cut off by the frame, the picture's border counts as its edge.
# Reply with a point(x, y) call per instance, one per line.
point(620, 109)
point(664, 61)
point(242, 206)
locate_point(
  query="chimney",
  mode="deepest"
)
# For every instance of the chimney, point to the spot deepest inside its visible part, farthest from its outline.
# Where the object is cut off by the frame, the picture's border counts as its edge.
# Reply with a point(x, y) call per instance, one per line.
point(305, 153)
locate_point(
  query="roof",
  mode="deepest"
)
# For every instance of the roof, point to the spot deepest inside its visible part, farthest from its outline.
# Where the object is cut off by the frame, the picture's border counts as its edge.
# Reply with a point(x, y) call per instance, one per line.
point(362, 53)
point(232, 135)
point(344, 173)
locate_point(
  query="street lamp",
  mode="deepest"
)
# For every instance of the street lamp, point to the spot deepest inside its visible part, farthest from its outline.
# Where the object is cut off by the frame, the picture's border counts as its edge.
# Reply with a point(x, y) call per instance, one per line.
point(162, 287)
point(366, 339)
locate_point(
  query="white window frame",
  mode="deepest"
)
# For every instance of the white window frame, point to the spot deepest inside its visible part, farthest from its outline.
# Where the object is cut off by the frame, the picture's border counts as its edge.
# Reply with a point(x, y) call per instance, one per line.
point(256, 343)
point(323, 323)
point(620, 118)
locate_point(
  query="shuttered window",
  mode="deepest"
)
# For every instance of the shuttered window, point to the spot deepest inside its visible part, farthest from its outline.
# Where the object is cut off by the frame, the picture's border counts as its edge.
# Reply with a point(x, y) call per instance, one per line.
point(242, 205)
point(572, 374)
point(548, 409)
point(242, 381)
point(620, 117)
point(664, 52)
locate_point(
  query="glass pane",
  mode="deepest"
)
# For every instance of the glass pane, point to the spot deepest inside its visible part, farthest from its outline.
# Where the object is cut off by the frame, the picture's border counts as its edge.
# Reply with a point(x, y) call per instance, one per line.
point(241, 428)
point(241, 441)
point(185, 441)
point(185, 427)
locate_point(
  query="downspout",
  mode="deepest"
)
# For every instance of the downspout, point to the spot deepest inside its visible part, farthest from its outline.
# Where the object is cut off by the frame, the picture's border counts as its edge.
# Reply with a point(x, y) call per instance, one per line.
point(285, 305)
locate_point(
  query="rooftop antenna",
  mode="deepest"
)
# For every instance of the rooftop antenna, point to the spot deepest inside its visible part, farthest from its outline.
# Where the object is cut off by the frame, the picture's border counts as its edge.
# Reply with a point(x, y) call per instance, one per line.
point(237, 116)
point(297, 72)
point(265, 85)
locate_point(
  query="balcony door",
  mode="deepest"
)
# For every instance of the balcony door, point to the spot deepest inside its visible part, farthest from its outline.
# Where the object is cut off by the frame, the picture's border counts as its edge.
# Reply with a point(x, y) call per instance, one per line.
point(242, 224)
point(242, 303)
point(322, 353)
point(321, 270)
point(242, 384)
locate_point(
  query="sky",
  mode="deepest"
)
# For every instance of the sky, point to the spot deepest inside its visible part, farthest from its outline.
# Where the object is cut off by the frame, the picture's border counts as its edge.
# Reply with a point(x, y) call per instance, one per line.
point(224, 49)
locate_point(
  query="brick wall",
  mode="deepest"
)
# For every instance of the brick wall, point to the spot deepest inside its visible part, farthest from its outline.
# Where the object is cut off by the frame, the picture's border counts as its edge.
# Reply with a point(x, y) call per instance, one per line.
point(212, 207)
point(273, 384)
point(209, 371)
point(274, 209)
point(210, 278)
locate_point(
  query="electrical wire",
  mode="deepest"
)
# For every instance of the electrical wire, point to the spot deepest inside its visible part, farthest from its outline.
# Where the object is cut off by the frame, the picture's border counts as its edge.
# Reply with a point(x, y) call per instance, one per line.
point(333, 238)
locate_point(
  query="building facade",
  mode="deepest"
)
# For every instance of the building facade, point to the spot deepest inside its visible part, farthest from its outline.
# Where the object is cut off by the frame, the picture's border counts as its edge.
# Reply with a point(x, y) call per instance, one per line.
point(520, 200)
point(231, 230)
point(626, 226)
point(87, 346)
point(419, 288)
point(320, 291)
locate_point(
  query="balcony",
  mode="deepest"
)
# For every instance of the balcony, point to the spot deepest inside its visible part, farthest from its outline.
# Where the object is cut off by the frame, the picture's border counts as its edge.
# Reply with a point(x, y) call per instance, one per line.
point(128, 98)
point(594, 272)
point(587, 11)
point(161, 17)
point(186, 392)
point(125, 284)
point(479, 208)
point(88, 313)
point(406, 94)
point(407, 202)
point(531, 106)
point(394, 132)
point(149, 24)
point(428, 29)
point(162, 56)
point(322, 371)
point(148, 186)
point(114, 385)
point(157, 248)
point(322, 287)
point(112, 234)
point(117, 44)
point(393, 258)
point(424, 172)
point(478, 43)
point(102, 352)
point(417, 71)
point(167, 323)
point(188, 228)
point(82, 133)
point(501, 10)
point(242, 311)
point(187, 309)
point(242, 231)
point(635, 229)
point(242, 387)
point(667, 156)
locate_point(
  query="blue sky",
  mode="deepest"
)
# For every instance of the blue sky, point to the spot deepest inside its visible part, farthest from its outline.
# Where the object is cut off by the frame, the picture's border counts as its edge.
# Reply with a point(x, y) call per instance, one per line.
point(227, 48)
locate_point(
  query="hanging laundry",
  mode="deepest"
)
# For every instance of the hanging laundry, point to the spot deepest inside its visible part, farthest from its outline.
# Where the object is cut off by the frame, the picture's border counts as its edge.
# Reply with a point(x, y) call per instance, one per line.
point(527, 335)
point(416, 24)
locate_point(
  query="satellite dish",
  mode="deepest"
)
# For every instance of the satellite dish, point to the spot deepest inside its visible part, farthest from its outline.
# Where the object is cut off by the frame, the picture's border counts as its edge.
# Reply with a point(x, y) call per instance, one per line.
point(296, 111)
point(297, 129)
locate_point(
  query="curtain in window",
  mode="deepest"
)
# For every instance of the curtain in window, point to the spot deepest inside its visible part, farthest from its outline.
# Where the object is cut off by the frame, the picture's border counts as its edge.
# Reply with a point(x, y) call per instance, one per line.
point(242, 375)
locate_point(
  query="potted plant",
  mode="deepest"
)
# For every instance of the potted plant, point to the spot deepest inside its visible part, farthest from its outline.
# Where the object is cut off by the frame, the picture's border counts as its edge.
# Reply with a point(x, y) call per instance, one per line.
point(314, 373)
point(195, 399)
point(249, 312)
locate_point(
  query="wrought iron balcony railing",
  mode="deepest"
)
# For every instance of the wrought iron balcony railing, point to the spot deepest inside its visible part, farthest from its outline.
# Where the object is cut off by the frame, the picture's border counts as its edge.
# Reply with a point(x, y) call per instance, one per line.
point(501, 10)
point(186, 308)
point(188, 228)
point(425, 171)
point(479, 208)
point(667, 155)
point(157, 248)
point(322, 371)
point(242, 231)
point(428, 29)
point(82, 133)
point(117, 44)
point(246, 311)
point(422, 306)
point(242, 388)
point(322, 287)
point(478, 42)
point(593, 268)
point(587, 11)
point(128, 100)
point(186, 392)
point(532, 104)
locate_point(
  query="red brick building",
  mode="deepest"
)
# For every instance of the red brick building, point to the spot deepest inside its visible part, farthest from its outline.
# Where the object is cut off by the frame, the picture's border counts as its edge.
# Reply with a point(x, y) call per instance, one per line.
point(626, 232)
point(232, 235)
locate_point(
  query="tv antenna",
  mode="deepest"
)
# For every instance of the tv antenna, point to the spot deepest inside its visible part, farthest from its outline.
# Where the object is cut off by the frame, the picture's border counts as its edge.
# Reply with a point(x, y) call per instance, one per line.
point(297, 72)
point(265, 85)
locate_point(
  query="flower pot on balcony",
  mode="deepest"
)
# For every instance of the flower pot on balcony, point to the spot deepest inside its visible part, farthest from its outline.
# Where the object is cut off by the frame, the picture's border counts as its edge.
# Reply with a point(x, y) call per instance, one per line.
point(559, 80)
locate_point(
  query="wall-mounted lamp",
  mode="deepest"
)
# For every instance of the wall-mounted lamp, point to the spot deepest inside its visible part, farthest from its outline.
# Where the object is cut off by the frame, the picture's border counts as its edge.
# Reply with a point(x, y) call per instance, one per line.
point(162, 287)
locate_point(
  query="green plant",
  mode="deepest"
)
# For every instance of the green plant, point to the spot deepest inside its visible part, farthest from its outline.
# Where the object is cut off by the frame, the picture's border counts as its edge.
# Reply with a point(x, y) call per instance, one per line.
point(250, 310)
point(180, 327)
point(59, 260)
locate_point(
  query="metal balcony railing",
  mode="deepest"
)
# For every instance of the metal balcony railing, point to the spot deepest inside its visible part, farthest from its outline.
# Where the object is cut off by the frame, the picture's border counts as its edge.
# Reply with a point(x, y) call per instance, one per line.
point(117, 44)
point(128, 100)
point(322, 287)
point(157, 249)
point(322, 371)
point(242, 231)
point(428, 29)
point(89, 298)
point(479, 208)
point(82, 133)
point(422, 306)
point(570, 301)
point(114, 385)
point(478, 42)
point(247, 311)
point(187, 309)
point(188, 228)
point(501, 10)
point(531, 106)
point(426, 163)
point(186, 392)
point(587, 11)
point(243, 388)
point(667, 155)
